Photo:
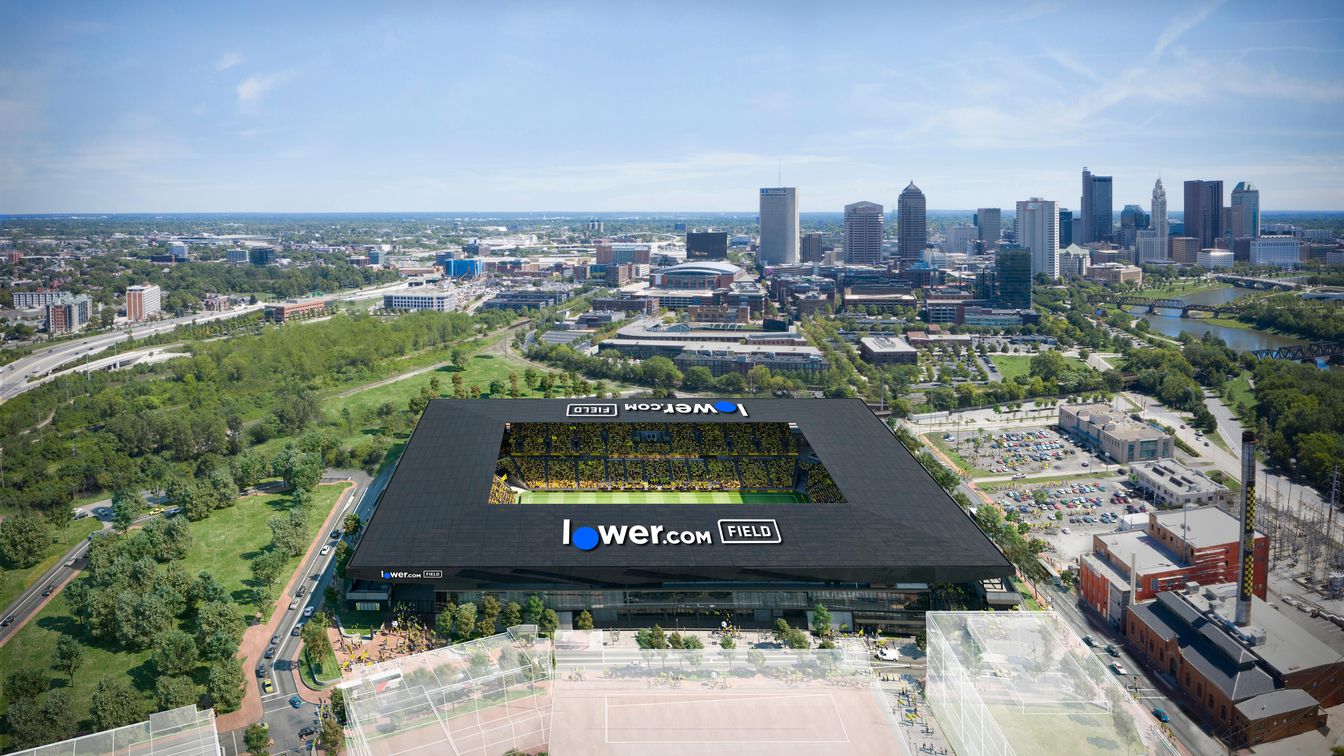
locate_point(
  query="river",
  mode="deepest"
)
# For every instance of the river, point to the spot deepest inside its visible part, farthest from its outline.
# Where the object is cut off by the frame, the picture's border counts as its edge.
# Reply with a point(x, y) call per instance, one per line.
point(1170, 323)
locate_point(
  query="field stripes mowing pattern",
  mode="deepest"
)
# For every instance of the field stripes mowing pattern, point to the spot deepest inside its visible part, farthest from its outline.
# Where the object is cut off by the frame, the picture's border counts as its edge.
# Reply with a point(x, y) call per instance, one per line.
point(658, 497)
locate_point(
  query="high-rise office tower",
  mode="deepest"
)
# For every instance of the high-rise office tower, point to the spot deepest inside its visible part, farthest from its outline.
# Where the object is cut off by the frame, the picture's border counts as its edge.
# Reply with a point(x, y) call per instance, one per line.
point(958, 237)
point(1204, 211)
point(863, 233)
point(142, 301)
point(1013, 274)
point(779, 226)
point(1065, 227)
point(989, 223)
point(1151, 244)
point(1157, 216)
point(911, 223)
point(1096, 210)
point(811, 249)
point(706, 245)
point(1037, 229)
point(1245, 211)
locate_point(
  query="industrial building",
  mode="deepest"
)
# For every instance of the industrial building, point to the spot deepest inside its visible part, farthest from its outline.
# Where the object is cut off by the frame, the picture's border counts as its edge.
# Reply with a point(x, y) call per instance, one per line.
point(1111, 433)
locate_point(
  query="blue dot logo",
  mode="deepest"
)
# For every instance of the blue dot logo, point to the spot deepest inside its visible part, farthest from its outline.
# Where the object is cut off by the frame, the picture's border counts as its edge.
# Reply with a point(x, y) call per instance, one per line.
point(725, 406)
point(585, 539)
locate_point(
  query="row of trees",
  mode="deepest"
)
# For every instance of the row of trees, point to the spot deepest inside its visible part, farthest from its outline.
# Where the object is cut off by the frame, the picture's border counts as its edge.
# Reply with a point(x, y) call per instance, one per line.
point(463, 622)
point(1300, 425)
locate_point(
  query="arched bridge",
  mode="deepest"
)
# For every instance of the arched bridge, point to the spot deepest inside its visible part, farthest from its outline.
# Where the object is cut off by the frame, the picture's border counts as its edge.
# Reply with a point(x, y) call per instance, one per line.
point(1186, 308)
point(1301, 352)
point(1251, 282)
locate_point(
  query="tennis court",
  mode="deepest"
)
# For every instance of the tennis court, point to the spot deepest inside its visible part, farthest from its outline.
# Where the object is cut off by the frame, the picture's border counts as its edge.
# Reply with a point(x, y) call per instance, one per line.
point(659, 497)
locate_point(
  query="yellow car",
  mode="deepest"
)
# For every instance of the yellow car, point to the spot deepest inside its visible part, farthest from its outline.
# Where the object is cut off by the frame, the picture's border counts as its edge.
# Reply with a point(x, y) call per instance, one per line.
point(267, 686)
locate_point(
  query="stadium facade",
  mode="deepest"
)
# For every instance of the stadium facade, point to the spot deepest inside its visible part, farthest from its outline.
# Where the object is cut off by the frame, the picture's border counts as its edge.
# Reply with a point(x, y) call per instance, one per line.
point(643, 511)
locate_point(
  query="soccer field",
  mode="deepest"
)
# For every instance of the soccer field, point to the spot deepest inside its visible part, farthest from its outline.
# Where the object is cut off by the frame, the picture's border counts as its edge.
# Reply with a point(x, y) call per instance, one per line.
point(659, 497)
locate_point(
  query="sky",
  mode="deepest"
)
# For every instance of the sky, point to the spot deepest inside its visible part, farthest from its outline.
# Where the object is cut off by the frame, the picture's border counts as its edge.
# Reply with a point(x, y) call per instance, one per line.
point(669, 106)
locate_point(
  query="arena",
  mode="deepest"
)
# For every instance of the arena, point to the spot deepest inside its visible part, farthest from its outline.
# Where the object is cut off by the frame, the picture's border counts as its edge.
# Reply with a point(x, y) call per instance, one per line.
point(681, 512)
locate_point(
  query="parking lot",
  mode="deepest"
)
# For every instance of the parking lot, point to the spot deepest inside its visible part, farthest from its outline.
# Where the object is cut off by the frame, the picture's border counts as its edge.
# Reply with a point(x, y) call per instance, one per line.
point(1067, 514)
point(1021, 452)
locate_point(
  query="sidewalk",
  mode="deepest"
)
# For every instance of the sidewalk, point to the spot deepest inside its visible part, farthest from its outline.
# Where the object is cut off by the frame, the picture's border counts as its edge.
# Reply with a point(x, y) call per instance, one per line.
point(258, 637)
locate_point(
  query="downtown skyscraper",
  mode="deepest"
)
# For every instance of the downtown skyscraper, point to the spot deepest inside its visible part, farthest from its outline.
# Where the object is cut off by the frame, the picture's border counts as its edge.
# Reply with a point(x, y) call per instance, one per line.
point(1096, 209)
point(989, 225)
point(912, 230)
point(1037, 229)
point(779, 226)
point(863, 233)
point(1204, 211)
point(1152, 242)
point(1245, 220)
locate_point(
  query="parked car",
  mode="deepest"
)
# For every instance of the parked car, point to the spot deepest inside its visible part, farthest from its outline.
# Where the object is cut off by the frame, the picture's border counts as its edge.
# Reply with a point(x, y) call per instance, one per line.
point(888, 654)
point(261, 669)
point(1161, 714)
point(1065, 531)
point(308, 731)
point(275, 639)
point(267, 686)
point(1089, 640)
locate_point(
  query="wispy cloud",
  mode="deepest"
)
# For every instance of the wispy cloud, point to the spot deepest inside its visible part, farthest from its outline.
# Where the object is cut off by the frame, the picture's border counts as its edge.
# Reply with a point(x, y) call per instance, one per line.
point(1179, 27)
point(1034, 11)
point(228, 60)
point(253, 88)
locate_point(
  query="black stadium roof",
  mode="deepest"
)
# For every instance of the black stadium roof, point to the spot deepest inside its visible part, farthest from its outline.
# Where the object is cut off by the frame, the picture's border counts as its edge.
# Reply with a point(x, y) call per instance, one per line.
point(896, 525)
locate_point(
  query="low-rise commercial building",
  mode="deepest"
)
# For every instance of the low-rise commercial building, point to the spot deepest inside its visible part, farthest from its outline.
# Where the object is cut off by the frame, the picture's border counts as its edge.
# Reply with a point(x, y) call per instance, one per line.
point(1279, 251)
point(1172, 549)
point(438, 301)
point(296, 309)
point(887, 350)
point(515, 299)
point(722, 357)
point(935, 338)
point(1256, 683)
point(1172, 484)
point(1113, 434)
point(1113, 273)
point(1215, 259)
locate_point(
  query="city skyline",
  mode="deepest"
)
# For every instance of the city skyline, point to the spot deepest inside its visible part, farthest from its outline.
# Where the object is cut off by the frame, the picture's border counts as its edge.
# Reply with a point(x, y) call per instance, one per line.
point(129, 109)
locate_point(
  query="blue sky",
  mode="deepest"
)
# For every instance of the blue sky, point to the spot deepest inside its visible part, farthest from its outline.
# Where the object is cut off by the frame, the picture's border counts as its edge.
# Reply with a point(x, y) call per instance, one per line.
point(133, 106)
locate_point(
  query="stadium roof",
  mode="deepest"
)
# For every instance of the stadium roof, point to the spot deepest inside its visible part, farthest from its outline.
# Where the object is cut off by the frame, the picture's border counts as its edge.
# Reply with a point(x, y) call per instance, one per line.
point(717, 268)
point(896, 525)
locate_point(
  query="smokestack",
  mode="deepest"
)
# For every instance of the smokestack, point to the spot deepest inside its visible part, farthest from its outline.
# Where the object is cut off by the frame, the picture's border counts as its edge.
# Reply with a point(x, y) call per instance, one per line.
point(1247, 565)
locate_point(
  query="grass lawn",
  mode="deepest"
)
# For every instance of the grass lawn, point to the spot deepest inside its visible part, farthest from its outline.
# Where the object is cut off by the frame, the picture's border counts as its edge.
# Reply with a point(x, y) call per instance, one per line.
point(1011, 366)
point(1178, 290)
point(1239, 392)
point(324, 672)
point(1027, 599)
point(659, 497)
point(222, 544)
point(12, 582)
point(363, 623)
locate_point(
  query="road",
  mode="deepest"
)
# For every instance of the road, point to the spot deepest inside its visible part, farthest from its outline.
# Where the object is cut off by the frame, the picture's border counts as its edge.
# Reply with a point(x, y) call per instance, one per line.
point(33, 370)
point(283, 719)
point(68, 566)
point(1189, 732)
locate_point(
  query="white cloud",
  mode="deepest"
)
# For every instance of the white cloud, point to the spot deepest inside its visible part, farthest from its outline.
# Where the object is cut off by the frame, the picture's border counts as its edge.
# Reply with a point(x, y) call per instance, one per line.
point(228, 60)
point(251, 90)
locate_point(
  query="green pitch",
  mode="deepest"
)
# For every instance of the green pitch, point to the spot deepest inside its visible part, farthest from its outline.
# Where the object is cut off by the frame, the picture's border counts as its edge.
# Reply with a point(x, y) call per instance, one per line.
point(659, 497)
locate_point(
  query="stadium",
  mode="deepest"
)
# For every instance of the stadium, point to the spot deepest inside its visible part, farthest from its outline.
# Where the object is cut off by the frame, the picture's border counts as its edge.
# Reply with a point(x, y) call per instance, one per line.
point(644, 511)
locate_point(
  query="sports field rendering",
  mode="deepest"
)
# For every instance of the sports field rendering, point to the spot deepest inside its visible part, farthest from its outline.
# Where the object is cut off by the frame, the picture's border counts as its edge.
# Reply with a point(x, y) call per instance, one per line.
point(660, 497)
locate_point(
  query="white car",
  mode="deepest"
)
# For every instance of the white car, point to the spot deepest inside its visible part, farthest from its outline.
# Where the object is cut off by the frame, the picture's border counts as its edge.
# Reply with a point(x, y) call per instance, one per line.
point(308, 611)
point(1065, 531)
point(888, 654)
point(325, 550)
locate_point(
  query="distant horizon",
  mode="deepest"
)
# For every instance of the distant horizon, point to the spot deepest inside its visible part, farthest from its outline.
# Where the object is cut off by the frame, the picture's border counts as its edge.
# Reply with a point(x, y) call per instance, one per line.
point(582, 214)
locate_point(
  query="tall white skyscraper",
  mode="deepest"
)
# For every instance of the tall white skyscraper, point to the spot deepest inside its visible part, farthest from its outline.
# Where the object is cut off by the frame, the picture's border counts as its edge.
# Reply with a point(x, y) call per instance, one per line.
point(1152, 242)
point(779, 226)
point(1245, 210)
point(863, 233)
point(1037, 229)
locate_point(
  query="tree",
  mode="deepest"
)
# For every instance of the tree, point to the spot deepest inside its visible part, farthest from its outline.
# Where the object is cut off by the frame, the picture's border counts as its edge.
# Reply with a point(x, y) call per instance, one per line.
point(496, 387)
point(301, 470)
point(225, 685)
point(549, 622)
point(26, 682)
point(584, 621)
point(174, 540)
point(338, 705)
point(115, 704)
point(781, 629)
point(257, 739)
point(513, 614)
point(692, 642)
point(465, 624)
point(698, 378)
point(24, 538)
point(215, 617)
point(351, 525)
point(287, 536)
point(33, 723)
point(266, 570)
point(488, 615)
point(170, 692)
point(661, 373)
point(797, 639)
point(535, 606)
point(443, 623)
point(821, 621)
point(126, 506)
point(727, 643)
point(332, 737)
point(756, 658)
point(175, 653)
point(69, 655)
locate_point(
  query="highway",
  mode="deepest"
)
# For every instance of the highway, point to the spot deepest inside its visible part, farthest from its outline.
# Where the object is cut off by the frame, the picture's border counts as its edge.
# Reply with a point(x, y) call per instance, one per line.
point(35, 369)
point(26, 605)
